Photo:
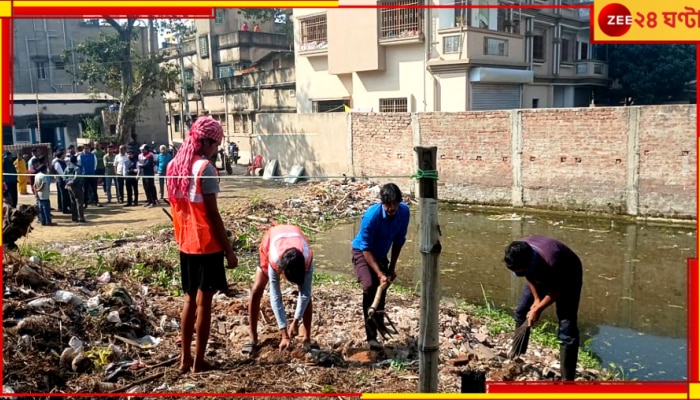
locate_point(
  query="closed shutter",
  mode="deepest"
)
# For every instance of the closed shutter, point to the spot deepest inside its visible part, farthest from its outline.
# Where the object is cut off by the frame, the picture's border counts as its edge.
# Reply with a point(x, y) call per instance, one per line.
point(494, 97)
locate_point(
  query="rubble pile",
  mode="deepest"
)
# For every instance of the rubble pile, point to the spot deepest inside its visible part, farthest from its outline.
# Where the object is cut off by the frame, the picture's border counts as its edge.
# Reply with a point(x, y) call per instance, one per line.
point(16, 223)
point(110, 321)
point(337, 199)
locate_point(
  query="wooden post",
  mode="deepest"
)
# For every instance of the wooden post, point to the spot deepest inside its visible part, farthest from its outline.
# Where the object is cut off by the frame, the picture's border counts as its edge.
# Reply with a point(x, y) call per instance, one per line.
point(430, 248)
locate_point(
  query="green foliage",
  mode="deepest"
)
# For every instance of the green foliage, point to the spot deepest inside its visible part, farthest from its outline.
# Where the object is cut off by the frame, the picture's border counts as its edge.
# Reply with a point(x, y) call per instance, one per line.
point(92, 129)
point(113, 61)
point(648, 74)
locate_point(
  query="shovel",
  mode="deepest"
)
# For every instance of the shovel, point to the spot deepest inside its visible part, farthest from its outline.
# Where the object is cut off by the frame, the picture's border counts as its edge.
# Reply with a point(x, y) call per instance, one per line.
point(381, 314)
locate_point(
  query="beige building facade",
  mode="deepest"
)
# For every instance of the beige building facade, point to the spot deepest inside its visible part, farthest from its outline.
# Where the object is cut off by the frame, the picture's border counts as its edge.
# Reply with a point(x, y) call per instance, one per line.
point(51, 106)
point(234, 71)
point(444, 59)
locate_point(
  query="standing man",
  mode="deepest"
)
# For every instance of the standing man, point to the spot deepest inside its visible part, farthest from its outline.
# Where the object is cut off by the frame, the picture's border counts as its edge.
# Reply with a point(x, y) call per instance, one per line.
point(8, 167)
point(162, 162)
point(100, 168)
point(147, 172)
point(88, 163)
point(284, 251)
point(554, 274)
point(120, 161)
point(42, 192)
point(108, 161)
point(384, 225)
point(59, 166)
point(200, 235)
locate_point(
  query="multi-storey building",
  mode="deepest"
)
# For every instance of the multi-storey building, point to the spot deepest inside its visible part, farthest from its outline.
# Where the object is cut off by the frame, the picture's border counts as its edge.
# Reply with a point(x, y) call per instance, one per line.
point(49, 105)
point(444, 59)
point(233, 69)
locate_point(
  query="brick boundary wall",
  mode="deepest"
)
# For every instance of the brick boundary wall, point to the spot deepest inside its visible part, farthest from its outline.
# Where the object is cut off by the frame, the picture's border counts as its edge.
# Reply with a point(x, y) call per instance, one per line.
point(639, 161)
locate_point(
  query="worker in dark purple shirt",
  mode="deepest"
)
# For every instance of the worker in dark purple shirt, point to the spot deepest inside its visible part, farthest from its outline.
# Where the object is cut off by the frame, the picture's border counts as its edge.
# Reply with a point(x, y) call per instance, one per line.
point(554, 274)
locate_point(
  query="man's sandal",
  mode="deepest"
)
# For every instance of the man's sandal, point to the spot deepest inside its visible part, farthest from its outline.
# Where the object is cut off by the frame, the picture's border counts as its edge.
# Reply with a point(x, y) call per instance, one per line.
point(248, 348)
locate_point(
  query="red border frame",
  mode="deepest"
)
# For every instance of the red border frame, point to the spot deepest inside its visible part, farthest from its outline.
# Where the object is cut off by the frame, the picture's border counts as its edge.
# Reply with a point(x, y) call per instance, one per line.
point(593, 388)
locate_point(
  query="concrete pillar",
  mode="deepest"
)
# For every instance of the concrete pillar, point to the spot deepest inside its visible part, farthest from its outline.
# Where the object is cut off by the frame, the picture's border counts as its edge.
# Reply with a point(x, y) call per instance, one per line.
point(351, 158)
point(632, 187)
point(516, 145)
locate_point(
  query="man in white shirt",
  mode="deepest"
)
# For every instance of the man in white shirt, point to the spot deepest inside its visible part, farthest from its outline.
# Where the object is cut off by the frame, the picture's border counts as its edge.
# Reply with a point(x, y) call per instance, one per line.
point(120, 170)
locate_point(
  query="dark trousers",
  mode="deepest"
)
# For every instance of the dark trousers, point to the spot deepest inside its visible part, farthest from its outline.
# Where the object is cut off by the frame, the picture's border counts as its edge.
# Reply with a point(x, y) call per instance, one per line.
point(132, 191)
point(77, 199)
point(149, 187)
point(12, 194)
point(567, 312)
point(64, 203)
point(91, 191)
point(120, 189)
point(161, 183)
point(370, 282)
point(45, 212)
point(101, 171)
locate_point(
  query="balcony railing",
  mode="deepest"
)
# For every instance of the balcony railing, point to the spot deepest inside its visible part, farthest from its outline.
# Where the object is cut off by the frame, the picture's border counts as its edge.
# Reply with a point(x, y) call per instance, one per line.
point(314, 34)
point(253, 39)
point(592, 69)
point(400, 24)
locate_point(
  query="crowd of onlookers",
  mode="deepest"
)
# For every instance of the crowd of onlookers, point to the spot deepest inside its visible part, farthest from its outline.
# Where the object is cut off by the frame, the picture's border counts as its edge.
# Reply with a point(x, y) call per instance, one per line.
point(79, 172)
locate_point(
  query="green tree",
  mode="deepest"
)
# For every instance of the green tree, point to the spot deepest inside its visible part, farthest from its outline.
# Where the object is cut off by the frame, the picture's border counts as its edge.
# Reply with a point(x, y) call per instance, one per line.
point(648, 74)
point(112, 60)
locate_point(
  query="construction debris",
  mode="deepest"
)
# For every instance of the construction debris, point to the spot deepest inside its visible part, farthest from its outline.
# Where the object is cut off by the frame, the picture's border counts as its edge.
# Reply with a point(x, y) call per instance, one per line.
point(16, 223)
point(112, 323)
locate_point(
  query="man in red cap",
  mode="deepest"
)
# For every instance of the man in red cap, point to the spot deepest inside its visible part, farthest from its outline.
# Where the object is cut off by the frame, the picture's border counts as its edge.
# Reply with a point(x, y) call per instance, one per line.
point(193, 185)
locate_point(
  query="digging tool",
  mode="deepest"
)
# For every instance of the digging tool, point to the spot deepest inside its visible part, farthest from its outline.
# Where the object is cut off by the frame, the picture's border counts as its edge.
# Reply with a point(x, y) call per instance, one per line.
point(521, 338)
point(372, 312)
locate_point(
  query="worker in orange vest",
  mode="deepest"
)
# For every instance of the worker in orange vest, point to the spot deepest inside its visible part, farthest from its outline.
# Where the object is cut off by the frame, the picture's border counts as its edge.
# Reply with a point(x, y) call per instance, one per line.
point(284, 251)
point(193, 185)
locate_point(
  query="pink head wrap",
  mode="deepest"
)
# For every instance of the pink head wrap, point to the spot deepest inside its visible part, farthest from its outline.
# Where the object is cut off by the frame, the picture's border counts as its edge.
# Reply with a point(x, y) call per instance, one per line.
point(180, 168)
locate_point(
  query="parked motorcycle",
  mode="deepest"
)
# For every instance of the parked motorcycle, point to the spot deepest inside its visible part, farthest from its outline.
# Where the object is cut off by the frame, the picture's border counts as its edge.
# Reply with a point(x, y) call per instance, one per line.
point(233, 152)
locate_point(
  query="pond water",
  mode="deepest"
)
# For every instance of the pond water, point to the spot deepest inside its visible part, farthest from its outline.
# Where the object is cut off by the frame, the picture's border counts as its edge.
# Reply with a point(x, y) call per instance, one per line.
point(634, 300)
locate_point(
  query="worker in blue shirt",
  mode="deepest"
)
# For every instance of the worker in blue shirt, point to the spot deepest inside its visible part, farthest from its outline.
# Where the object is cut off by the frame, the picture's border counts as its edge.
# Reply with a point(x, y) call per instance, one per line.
point(384, 226)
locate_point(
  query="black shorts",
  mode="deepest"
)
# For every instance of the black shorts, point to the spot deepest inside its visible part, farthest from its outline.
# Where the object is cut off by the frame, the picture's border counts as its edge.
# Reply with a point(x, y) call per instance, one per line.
point(203, 272)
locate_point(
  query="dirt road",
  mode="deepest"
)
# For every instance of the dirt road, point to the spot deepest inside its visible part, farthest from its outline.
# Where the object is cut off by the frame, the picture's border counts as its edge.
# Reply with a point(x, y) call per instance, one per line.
point(115, 218)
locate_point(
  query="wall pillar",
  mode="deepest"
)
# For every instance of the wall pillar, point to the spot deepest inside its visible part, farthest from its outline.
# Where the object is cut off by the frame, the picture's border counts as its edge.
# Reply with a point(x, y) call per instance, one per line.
point(417, 141)
point(516, 145)
point(632, 187)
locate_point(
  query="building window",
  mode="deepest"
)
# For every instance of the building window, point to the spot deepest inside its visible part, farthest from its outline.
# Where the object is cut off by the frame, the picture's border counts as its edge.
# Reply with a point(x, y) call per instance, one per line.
point(276, 63)
point(454, 17)
point(583, 51)
point(176, 123)
point(567, 50)
point(219, 19)
point(397, 105)
point(41, 70)
point(538, 47)
point(495, 47)
point(330, 106)
point(241, 123)
point(59, 64)
point(535, 103)
point(189, 79)
point(451, 44)
point(203, 47)
point(224, 71)
point(398, 22)
point(314, 33)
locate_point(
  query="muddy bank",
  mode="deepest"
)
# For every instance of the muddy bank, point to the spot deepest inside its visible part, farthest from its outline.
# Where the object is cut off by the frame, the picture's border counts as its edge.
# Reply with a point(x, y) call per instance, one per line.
point(101, 316)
